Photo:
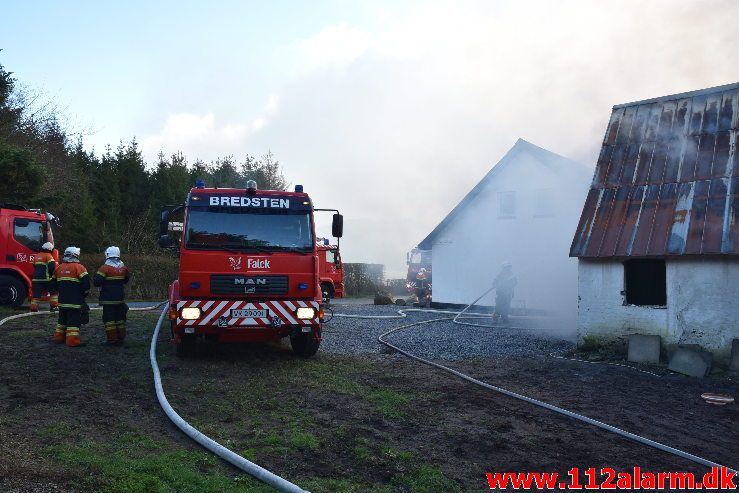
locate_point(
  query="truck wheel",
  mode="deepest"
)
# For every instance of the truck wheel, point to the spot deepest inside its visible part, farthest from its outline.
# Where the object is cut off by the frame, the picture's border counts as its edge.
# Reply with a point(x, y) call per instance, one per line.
point(186, 347)
point(328, 289)
point(304, 344)
point(12, 291)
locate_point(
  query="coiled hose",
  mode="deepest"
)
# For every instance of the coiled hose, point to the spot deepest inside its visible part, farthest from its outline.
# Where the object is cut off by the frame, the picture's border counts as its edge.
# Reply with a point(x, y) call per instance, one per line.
point(208, 443)
point(216, 448)
point(530, 400)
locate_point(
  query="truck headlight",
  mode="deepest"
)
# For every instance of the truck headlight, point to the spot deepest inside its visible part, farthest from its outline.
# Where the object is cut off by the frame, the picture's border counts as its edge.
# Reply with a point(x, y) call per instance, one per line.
point(306, 313)
point(190, 313)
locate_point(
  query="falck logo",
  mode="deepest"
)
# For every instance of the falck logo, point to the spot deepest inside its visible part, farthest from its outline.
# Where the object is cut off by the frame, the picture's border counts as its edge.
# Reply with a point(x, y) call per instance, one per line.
point(235, 262)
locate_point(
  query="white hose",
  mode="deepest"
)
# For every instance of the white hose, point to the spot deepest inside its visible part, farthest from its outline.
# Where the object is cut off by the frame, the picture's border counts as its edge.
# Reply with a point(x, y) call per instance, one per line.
point(536, 402)
point(248, 467)
point(213, 446)
point(31, 314)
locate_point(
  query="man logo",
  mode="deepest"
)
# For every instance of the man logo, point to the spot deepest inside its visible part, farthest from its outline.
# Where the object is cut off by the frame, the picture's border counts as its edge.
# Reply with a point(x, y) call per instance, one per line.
point(235, 262)
point(250, 281)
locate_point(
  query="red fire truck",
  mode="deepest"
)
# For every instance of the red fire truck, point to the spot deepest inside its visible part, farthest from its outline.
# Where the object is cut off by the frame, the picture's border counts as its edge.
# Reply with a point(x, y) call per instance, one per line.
point(416, 260)
point(22, 232)
point(331, 269)
point(248, 267)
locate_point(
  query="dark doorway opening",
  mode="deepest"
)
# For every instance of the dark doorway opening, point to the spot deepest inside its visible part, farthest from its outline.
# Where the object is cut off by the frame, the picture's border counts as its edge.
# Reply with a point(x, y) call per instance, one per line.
point(645, 282)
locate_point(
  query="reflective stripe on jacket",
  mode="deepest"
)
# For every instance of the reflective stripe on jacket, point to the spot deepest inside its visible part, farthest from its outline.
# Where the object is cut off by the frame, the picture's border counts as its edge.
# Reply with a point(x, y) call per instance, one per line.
point(43, 267)
point(111, 280)
point(72, 283)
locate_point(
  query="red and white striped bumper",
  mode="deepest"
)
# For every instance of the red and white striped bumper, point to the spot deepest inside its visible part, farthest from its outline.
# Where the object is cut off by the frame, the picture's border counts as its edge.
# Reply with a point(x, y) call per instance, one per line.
point(217, 313)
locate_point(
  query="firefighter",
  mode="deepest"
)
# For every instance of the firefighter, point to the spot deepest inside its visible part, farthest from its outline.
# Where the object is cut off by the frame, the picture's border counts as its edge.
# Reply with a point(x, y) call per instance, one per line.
point(43, 269)
point(422, 286)
point(111, 277)
point(73, 284)
point(504, 284)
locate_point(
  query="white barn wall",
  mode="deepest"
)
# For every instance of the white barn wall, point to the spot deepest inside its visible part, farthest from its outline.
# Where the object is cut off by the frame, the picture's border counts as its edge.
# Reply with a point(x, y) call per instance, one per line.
point(467, 254)
point(702, 305)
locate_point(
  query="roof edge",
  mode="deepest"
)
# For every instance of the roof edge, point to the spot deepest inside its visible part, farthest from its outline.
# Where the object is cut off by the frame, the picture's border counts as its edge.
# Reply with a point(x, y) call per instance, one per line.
point(521, 145)
point(681, 95)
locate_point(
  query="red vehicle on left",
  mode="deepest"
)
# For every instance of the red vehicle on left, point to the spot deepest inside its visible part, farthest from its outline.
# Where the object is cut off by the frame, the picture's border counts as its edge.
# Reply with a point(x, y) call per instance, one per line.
point(22, 232)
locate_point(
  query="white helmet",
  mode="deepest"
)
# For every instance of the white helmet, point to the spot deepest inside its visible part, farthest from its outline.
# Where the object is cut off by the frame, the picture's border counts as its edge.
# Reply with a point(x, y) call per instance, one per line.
point(506, 265)
point(112, 252)
point(72, 252)
point(47, 247)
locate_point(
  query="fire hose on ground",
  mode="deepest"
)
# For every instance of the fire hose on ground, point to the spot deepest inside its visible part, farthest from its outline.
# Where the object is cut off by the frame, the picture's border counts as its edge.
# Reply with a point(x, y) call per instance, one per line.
point(211, 445)
point(216, 448)
point(530, 400)
point(285, 486)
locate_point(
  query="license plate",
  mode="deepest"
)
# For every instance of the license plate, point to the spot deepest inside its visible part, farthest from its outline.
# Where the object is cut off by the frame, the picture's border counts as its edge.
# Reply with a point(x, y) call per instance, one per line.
point(249, 313)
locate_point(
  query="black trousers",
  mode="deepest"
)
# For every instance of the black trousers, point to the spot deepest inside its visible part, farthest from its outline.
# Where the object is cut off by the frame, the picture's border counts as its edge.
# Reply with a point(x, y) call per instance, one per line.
point(39, 287)
point(114, 313)
point(70, 317)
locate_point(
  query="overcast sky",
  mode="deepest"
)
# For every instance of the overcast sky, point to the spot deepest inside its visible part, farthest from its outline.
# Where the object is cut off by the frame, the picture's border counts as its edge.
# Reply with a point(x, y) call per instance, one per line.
point(388, 110)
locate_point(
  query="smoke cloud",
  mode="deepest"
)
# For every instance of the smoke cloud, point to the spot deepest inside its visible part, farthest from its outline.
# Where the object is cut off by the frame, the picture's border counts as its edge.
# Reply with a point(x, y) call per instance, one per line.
point(395, 123)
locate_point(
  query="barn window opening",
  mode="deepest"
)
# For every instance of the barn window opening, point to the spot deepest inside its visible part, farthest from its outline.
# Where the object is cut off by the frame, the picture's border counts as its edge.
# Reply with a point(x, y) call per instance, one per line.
point(507, 204)
point(645, 282)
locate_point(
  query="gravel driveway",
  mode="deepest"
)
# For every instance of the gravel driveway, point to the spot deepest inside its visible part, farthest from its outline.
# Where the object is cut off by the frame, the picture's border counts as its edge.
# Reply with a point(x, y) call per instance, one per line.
point(442, 339)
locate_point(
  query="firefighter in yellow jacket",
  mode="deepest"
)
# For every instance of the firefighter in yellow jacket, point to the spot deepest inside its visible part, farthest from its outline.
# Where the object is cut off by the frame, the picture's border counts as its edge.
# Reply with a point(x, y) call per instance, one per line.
point(43, 268)
point(111, 277)
point(73, 284)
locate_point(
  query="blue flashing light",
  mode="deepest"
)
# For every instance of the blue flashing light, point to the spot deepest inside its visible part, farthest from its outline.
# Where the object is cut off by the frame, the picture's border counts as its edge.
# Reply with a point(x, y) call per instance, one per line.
point(199, 184)
point(195, 285)
point(303, 285)
point(299, 188)
point(325, 241)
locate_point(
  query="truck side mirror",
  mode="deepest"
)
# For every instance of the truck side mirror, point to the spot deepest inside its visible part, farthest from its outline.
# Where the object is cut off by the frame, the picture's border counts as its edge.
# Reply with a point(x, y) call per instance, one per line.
point(163, 224)
point(337, 226)
point(165, 241)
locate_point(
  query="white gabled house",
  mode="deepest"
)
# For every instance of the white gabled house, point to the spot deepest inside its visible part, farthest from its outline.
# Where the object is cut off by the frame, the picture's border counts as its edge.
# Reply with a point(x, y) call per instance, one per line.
point(524, 210)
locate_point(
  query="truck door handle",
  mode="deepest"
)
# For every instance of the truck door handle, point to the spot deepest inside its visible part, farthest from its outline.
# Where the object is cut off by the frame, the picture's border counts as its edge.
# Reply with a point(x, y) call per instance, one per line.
point(10, 258)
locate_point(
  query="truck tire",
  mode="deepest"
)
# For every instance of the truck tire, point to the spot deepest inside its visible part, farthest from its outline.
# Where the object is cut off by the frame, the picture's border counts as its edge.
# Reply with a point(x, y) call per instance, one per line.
point(304, 344)
point(328, 289)
point(13, 291)
point(186, 347)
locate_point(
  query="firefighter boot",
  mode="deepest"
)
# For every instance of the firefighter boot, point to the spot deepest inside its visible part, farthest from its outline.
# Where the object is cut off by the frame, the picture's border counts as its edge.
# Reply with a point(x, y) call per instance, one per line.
point(59, 333)
point(73, 337)
point(34, 305)
point(121, 330)
point(111, 332)
point(54, 303)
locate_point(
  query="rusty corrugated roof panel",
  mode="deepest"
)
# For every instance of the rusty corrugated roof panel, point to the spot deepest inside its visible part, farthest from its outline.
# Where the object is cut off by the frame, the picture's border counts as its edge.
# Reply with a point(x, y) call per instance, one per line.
point(666, 181)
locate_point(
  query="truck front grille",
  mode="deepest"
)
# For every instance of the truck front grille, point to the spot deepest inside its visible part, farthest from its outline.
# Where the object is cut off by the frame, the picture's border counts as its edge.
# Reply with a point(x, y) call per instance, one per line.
point(235, 284)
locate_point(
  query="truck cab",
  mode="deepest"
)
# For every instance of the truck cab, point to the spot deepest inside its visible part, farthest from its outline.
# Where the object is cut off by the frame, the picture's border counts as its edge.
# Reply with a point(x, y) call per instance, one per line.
point(331, 269)
point(417, 259)
point(249, 269)
point(22, 232)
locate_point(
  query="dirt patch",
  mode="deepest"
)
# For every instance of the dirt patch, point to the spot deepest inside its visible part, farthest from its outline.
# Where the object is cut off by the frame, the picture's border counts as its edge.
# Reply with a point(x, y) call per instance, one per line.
point(87, 419)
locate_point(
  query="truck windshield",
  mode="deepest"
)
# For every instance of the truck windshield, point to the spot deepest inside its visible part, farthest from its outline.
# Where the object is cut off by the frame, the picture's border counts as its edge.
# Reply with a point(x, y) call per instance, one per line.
point(421, 257)
point(29, 233)
point(234, 229)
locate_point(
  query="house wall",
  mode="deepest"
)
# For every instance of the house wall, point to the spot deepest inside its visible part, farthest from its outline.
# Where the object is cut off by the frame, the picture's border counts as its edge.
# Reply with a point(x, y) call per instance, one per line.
point(702, 303)
point(468, 253)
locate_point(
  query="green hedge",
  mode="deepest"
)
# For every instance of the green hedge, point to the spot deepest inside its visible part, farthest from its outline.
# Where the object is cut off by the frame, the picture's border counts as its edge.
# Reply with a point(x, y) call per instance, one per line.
point(150, 275)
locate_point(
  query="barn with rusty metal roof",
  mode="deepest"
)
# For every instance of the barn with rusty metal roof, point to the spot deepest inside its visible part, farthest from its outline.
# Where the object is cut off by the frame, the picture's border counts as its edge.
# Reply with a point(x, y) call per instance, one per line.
point(658, 241)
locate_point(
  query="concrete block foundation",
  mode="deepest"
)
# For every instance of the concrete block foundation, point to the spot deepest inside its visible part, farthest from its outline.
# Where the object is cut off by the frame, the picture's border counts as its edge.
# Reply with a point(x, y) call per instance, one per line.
point(691, 362)
point(644, 348)
point(734, 361)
